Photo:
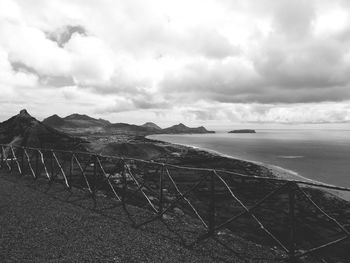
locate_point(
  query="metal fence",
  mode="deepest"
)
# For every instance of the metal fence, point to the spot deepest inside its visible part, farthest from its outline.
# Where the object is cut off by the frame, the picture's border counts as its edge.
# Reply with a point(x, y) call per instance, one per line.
point(288, 213)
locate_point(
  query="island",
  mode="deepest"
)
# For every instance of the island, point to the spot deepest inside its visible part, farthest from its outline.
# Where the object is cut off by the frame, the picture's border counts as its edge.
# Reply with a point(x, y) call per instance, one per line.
point(243, 131)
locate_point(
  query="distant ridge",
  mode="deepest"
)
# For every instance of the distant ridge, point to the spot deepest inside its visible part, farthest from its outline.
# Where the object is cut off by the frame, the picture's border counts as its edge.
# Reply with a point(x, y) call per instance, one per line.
point(151, 128)
point(84, 121)
point(24, 130)
point(181, 128)
point(75, 121)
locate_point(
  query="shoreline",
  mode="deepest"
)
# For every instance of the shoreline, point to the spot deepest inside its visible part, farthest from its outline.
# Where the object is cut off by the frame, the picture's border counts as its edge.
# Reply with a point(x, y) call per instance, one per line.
point(276, 171)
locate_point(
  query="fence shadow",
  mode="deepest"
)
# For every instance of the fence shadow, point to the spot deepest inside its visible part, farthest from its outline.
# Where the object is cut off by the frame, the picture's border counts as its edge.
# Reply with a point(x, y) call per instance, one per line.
point(195, 205)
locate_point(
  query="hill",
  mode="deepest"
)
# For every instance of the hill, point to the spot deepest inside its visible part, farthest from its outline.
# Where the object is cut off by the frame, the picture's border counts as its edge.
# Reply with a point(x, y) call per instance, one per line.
point(181, 128)
point(24, 130)
point(151, 125)
point(54, 121)
point(75, 121)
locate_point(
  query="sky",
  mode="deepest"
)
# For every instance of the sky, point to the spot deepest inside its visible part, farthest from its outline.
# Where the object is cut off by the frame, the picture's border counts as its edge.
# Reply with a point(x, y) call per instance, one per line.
point(223, 63)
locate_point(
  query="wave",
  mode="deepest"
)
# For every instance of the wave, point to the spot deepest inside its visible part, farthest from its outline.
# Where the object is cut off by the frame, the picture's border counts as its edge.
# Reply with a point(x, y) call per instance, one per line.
point(290, 156)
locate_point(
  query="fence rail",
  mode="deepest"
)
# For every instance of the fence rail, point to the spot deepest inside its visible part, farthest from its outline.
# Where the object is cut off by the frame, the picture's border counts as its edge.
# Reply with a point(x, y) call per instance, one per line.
point(218, 199)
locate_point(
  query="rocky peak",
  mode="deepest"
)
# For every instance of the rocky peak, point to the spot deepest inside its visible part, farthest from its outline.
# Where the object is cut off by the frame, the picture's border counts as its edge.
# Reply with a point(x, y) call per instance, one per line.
point(24, 113)
point(24, 130)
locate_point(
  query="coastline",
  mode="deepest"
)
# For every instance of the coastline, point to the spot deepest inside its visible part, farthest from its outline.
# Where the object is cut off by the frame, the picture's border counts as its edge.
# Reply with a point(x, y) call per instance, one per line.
point(276, 171)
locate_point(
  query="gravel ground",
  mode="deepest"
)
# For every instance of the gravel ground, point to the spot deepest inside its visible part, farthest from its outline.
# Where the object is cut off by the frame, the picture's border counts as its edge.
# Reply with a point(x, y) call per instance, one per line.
point(46, 223)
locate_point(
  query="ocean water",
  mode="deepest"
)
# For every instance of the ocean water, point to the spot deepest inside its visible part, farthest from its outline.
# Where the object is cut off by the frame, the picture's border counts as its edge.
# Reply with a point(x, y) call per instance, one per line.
point(321, 155)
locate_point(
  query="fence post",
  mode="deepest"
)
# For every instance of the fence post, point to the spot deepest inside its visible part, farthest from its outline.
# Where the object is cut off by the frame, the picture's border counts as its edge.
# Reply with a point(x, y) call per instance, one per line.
point(22, 161)
point(11, 162)
point(52, 165)
point(94, 180)
point(71, 169)
point(124, 181)
point(291, 193)
point(160, 196)
point(16, 159)
point(36, 164)
point(2, 157)
point(212, 204)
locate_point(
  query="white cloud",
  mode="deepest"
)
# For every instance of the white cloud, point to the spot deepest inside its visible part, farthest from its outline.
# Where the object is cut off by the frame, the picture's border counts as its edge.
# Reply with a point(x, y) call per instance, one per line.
point(10, 80)
point(9, 10)
point(166, 56)
point(30, 46)
point(92, 60)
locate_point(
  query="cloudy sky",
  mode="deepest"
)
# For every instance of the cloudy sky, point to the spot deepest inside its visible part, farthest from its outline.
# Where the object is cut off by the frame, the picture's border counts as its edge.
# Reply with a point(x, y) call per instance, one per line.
point(205, 62)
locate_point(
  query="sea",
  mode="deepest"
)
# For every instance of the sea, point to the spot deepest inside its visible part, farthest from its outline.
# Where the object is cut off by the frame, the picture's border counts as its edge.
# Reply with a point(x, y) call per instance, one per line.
point(319, 155)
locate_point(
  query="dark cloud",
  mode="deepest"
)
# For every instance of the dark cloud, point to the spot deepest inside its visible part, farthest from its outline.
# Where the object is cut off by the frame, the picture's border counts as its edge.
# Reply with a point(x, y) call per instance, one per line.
point(51, 81)
point(209, 81)
point(197, 41)
point(293, 18)
point(277, 95)
point(57, 81)
point(135, 101)
point(147, 102)
point(209, 43)
point(202, 115)
point(312, 70)
point(64, 34)
point(21, 67)
point(313, 64)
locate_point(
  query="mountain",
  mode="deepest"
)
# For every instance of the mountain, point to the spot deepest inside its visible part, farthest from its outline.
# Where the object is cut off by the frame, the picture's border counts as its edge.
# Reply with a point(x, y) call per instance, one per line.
point(24, 130)
point(151, 125)
point(75, 121)
point(84, 121)
point(54, 121)
point(181, 128)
